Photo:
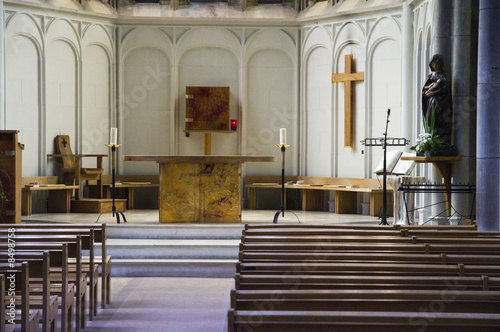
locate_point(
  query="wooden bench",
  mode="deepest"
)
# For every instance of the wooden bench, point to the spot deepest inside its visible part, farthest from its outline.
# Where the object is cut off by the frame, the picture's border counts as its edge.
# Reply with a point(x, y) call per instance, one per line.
point(42, 294)
point(360, 321)
point(127, 182)
point(348, 278)
point(365, 300)
point(59, 195)
point(100, 237)
point(86, 242)
point(69, 292)
point(76, 276)
point(59, 285)
point(29, 318)
point(313, 189)
point(303, 281)
point(301, 227)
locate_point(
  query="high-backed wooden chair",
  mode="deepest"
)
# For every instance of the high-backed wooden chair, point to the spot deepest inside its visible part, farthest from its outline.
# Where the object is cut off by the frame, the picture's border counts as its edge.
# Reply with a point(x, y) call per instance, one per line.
point(72, 171)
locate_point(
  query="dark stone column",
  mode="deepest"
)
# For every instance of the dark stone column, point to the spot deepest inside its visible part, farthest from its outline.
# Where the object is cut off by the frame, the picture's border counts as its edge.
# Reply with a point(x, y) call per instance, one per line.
point(443, 20)
point(464, 100)
point(488, 119)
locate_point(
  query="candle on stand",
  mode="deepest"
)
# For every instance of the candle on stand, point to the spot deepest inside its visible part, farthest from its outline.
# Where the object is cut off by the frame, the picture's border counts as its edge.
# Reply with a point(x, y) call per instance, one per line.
point(113, 136)
point(282, 136)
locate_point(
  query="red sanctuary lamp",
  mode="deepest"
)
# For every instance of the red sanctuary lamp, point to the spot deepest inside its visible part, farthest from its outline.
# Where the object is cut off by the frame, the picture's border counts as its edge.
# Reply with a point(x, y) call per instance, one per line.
point(234, 124)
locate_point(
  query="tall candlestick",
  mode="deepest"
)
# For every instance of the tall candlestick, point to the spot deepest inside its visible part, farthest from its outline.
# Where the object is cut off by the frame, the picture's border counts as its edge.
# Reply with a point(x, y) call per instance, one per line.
point(282, 136)
point(113, 136)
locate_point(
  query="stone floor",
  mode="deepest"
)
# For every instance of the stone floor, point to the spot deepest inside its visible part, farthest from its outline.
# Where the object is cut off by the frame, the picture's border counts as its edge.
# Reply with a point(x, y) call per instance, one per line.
point(165, 305)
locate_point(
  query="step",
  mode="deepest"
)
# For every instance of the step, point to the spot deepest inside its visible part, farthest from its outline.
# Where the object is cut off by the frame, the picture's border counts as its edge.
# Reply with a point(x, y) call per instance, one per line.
point(174, 231)
point(205, 268)
point(171, 249)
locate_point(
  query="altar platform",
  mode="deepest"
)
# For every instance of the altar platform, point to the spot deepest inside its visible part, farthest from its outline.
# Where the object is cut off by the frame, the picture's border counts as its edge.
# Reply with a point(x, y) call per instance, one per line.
point(149, 218)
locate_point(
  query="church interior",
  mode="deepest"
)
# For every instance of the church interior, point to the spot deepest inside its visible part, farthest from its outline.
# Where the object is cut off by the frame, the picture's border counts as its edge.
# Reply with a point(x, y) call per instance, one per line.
point(258, 165)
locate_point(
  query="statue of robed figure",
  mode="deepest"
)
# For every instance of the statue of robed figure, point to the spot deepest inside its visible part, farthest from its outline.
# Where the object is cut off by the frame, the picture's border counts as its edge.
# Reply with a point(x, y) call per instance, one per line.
point(436, 101)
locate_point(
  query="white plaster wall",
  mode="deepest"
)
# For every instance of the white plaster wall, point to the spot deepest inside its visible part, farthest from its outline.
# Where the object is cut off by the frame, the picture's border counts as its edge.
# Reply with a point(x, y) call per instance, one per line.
point(375, 43)
point(22, 72)
point(146, 122)
point(59, 80)
point(208, 66)
point(319, 115)
point(95, 102)
point(350, 39)
point(270, 100)
point(76, 64)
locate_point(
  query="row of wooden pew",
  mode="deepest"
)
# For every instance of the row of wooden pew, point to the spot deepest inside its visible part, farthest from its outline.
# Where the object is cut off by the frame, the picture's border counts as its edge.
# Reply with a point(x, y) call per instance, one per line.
point(49, 271)
point(366, 278)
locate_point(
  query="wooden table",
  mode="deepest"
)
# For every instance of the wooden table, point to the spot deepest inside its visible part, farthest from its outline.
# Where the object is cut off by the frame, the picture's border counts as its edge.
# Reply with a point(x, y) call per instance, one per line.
point(443, 166)
point(200, 188)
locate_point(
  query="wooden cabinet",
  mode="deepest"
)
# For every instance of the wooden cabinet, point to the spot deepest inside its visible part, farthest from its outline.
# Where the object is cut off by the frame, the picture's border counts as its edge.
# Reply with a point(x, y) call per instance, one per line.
point(10, 177)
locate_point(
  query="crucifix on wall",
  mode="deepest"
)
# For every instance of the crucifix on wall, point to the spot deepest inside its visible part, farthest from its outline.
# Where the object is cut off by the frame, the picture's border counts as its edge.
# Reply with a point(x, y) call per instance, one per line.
point(347, 77)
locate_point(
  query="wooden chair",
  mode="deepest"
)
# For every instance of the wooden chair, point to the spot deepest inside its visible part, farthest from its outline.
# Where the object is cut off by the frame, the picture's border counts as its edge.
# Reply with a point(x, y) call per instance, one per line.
point(72, 171)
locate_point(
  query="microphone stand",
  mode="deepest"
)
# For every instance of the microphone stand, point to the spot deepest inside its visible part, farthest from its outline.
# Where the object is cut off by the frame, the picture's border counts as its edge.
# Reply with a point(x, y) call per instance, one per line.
point(384, 142)
point(384, 188)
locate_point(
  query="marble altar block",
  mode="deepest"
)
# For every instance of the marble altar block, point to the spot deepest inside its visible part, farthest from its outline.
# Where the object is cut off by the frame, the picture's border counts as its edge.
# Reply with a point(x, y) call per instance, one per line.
point(200, 188)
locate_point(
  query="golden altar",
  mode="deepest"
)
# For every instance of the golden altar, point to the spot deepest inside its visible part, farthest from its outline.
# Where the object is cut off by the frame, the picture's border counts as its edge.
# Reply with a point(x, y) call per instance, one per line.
point(200, 188)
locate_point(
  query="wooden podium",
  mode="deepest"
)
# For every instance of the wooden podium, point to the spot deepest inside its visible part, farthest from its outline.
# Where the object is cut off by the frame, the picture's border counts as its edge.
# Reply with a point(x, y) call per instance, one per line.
point(10, 177)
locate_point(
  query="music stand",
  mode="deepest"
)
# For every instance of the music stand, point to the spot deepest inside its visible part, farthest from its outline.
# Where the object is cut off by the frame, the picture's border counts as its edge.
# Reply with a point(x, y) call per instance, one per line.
point(384, 142)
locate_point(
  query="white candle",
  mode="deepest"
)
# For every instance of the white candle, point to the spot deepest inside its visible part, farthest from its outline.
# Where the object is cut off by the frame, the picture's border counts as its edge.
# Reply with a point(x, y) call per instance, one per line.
point(113, 136)
point(282, 136)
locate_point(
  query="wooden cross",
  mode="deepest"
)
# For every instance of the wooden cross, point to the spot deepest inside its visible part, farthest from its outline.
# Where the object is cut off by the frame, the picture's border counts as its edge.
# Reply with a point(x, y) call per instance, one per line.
point(347, 78)
point(64, 142)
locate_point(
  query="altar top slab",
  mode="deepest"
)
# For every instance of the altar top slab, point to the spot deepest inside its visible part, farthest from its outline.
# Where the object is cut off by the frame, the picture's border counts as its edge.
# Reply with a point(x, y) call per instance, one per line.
point(200, 159)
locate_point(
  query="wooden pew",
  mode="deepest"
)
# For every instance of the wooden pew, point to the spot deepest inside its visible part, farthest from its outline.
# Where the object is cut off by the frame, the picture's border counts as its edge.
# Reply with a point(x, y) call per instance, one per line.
point(87, 241)
point(76, 275)
point(370, 232)
point(343, 278)
point(360, 321)
point(388, 257)
point(420, 248)
point(367, 269)
point(99, 238)
point(3, 319)
point(404, 300)
point(356, 226)
point(365, 238)
point(303, 281)
point(41, 298)
point(29, 318)
point(59, 285)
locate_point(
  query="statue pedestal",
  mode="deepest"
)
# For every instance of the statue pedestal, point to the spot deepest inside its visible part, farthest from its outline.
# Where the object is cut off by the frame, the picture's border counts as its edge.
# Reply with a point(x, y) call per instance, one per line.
point(443, 166)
